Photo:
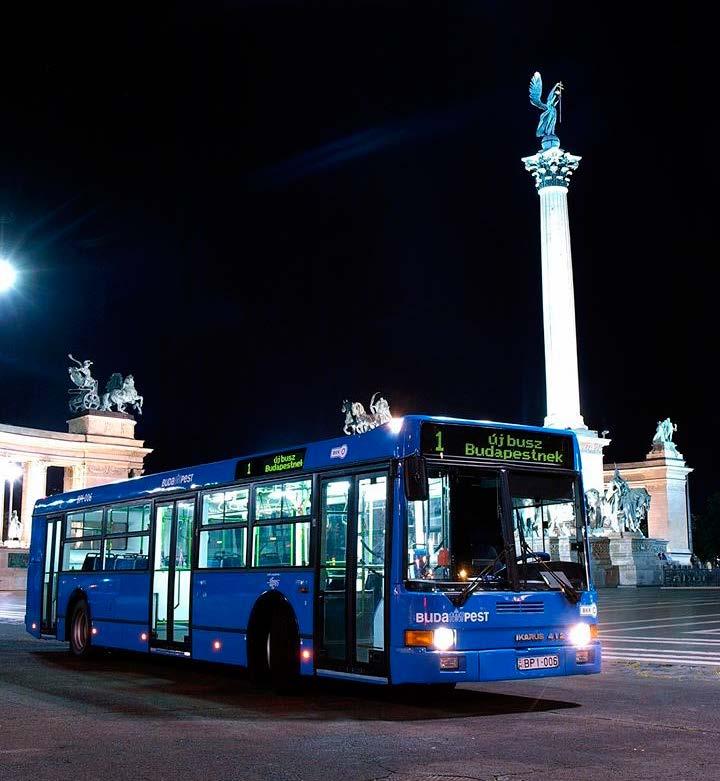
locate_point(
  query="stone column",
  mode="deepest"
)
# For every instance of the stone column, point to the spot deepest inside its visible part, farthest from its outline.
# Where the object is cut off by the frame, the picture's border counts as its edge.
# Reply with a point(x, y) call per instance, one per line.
point(591, 457)
point(34, 485)
point(2, 510)
point(552, 169)
point(74, 477)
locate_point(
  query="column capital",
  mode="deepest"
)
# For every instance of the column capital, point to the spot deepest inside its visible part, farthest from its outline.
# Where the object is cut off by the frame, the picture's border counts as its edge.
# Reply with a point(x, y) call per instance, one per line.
point(552, 167)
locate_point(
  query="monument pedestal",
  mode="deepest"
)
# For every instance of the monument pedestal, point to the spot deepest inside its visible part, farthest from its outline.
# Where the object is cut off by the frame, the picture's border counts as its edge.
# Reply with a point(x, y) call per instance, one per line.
point(13, 568)
point(631, 560)
point(115, 432)
point(561, 549)
point(664, 475)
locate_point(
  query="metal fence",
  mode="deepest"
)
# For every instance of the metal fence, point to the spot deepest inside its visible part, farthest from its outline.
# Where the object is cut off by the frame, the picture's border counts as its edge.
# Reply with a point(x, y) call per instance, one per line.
point(678, 575)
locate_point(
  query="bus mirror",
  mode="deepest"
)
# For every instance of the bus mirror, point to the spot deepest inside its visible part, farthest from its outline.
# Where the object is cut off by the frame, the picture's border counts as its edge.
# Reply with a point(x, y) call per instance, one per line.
point(416, 480)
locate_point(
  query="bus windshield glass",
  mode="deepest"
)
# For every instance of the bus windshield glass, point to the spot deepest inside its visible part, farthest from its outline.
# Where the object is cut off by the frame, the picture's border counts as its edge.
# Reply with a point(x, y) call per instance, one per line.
point(457, 534)
point(548, 527)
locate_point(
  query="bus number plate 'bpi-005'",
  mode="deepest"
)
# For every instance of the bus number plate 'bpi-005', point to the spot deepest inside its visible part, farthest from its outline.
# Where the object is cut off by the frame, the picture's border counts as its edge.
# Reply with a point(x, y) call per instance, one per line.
point(538, 662)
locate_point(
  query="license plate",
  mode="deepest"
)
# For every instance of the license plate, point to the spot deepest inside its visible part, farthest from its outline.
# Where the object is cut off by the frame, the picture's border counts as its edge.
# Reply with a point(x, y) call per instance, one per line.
point(538, 662)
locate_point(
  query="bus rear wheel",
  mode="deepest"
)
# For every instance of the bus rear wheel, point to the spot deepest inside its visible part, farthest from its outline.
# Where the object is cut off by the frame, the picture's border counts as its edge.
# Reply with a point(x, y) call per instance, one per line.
point(80, 634)
point(276, 654)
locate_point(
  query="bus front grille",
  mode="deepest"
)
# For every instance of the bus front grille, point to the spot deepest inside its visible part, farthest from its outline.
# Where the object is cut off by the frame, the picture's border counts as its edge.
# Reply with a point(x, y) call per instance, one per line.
point(520, 607)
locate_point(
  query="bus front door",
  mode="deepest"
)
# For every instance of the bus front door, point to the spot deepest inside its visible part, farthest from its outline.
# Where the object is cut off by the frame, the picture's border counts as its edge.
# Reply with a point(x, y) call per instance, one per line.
point(170, 603)
point(48, 619)
point(351, 578)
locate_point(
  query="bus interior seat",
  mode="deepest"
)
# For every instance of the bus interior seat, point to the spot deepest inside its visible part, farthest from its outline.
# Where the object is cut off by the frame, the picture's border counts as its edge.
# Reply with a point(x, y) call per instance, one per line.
point(335, 583)
point(91, 563)
point(269, 560)
point(232, 561)
point(374, 584)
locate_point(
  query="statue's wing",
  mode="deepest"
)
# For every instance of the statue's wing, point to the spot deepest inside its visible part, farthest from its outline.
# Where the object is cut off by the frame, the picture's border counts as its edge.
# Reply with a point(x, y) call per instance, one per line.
point(536, 91)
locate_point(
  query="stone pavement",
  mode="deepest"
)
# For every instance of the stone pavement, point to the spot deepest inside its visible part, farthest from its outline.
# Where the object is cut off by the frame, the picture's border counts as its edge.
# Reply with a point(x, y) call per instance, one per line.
point(661, 626)
point(122, 716)
point(12, 607)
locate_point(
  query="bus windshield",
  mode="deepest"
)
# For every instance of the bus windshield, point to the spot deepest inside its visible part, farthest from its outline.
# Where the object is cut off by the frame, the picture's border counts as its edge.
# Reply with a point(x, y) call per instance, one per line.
point(457, 533)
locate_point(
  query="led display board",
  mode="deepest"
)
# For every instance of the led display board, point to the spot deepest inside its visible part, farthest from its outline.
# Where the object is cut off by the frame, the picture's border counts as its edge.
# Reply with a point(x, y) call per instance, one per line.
point(264, 466)
point(497, 444)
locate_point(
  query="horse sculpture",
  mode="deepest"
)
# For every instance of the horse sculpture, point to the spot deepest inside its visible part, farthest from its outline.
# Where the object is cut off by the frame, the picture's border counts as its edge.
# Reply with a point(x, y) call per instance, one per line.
point(120, 392)
point(619, 509)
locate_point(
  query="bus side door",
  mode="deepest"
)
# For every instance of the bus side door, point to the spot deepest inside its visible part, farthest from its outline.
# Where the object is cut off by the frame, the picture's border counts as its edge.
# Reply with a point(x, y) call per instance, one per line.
point(351, 612)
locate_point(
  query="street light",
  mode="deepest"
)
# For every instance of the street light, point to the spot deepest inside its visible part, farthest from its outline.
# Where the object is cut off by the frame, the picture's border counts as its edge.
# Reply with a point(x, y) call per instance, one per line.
point(8, 275)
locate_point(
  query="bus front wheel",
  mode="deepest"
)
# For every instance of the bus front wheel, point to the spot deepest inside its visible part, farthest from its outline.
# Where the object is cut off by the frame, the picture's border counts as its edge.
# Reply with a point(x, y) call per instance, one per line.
point(80, 633)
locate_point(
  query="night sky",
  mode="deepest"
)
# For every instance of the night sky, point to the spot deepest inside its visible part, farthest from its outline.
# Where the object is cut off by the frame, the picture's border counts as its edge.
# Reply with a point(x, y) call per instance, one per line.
point(261, 209)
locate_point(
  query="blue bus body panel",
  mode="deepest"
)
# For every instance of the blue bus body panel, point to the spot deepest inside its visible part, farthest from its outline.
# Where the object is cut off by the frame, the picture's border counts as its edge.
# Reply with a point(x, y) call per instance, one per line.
point(487, 629)
point(118, 603)
point(34, 586)
point(222, 602)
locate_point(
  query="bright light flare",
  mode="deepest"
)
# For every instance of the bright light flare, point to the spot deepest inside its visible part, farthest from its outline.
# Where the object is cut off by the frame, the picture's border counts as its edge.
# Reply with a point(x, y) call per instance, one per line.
point(443, 638)
point(10, 471)
point(579, 635)
point(8, 275)
point(395, 425)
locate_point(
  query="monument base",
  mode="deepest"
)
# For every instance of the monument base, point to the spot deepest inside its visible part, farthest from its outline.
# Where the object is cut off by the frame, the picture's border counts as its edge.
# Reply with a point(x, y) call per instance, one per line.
point(13, 569)
point(561, 549)
point(626, 561)
point(664, 475)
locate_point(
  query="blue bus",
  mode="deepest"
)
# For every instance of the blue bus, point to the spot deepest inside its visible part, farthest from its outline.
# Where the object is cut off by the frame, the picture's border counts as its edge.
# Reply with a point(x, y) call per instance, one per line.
point(428, 551)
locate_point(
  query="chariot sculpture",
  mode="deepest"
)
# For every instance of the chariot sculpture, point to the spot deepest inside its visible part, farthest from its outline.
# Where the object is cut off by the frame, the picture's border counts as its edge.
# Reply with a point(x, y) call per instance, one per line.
point(85, 393)
point(119, 390)
point(357, 421)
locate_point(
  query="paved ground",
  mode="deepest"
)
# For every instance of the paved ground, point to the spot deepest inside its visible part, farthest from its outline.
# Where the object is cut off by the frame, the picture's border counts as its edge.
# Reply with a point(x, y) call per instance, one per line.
point(679, 626)
point(123, 716)
point(12, 607)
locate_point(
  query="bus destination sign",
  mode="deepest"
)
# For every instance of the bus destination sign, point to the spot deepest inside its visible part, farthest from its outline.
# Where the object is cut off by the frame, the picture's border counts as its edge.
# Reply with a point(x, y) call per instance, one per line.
point(502, 444)
point(288, 461)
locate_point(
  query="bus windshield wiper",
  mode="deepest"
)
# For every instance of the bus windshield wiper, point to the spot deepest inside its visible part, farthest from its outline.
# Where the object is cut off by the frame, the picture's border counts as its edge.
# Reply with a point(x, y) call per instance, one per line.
point(461, 598)
point(570, 593)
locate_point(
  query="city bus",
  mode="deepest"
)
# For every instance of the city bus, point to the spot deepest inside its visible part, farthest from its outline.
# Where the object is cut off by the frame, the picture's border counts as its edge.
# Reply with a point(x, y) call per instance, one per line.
point(429, 550)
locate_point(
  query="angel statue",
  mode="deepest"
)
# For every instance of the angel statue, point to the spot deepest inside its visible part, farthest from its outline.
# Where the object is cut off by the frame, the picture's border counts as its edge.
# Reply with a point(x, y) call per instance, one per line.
point(546, 125)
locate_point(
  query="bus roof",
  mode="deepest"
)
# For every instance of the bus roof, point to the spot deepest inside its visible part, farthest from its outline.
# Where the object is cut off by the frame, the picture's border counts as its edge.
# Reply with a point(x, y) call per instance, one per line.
point(384, 442)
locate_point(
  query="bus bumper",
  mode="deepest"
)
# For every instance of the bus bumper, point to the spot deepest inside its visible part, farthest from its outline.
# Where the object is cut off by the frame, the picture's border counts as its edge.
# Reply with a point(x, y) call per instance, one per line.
point(419, 665)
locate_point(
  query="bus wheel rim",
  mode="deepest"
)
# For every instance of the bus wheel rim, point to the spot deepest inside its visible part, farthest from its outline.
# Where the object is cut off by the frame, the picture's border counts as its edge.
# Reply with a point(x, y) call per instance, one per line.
point(81, 631)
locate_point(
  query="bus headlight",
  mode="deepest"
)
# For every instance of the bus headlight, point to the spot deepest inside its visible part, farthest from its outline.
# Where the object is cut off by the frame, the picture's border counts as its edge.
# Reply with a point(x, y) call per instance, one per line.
point(580, 635)
point(443, 638)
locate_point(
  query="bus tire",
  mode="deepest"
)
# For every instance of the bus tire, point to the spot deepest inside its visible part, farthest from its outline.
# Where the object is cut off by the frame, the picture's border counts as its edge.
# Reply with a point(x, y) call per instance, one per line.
point(80, 634)
point(283, 652)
